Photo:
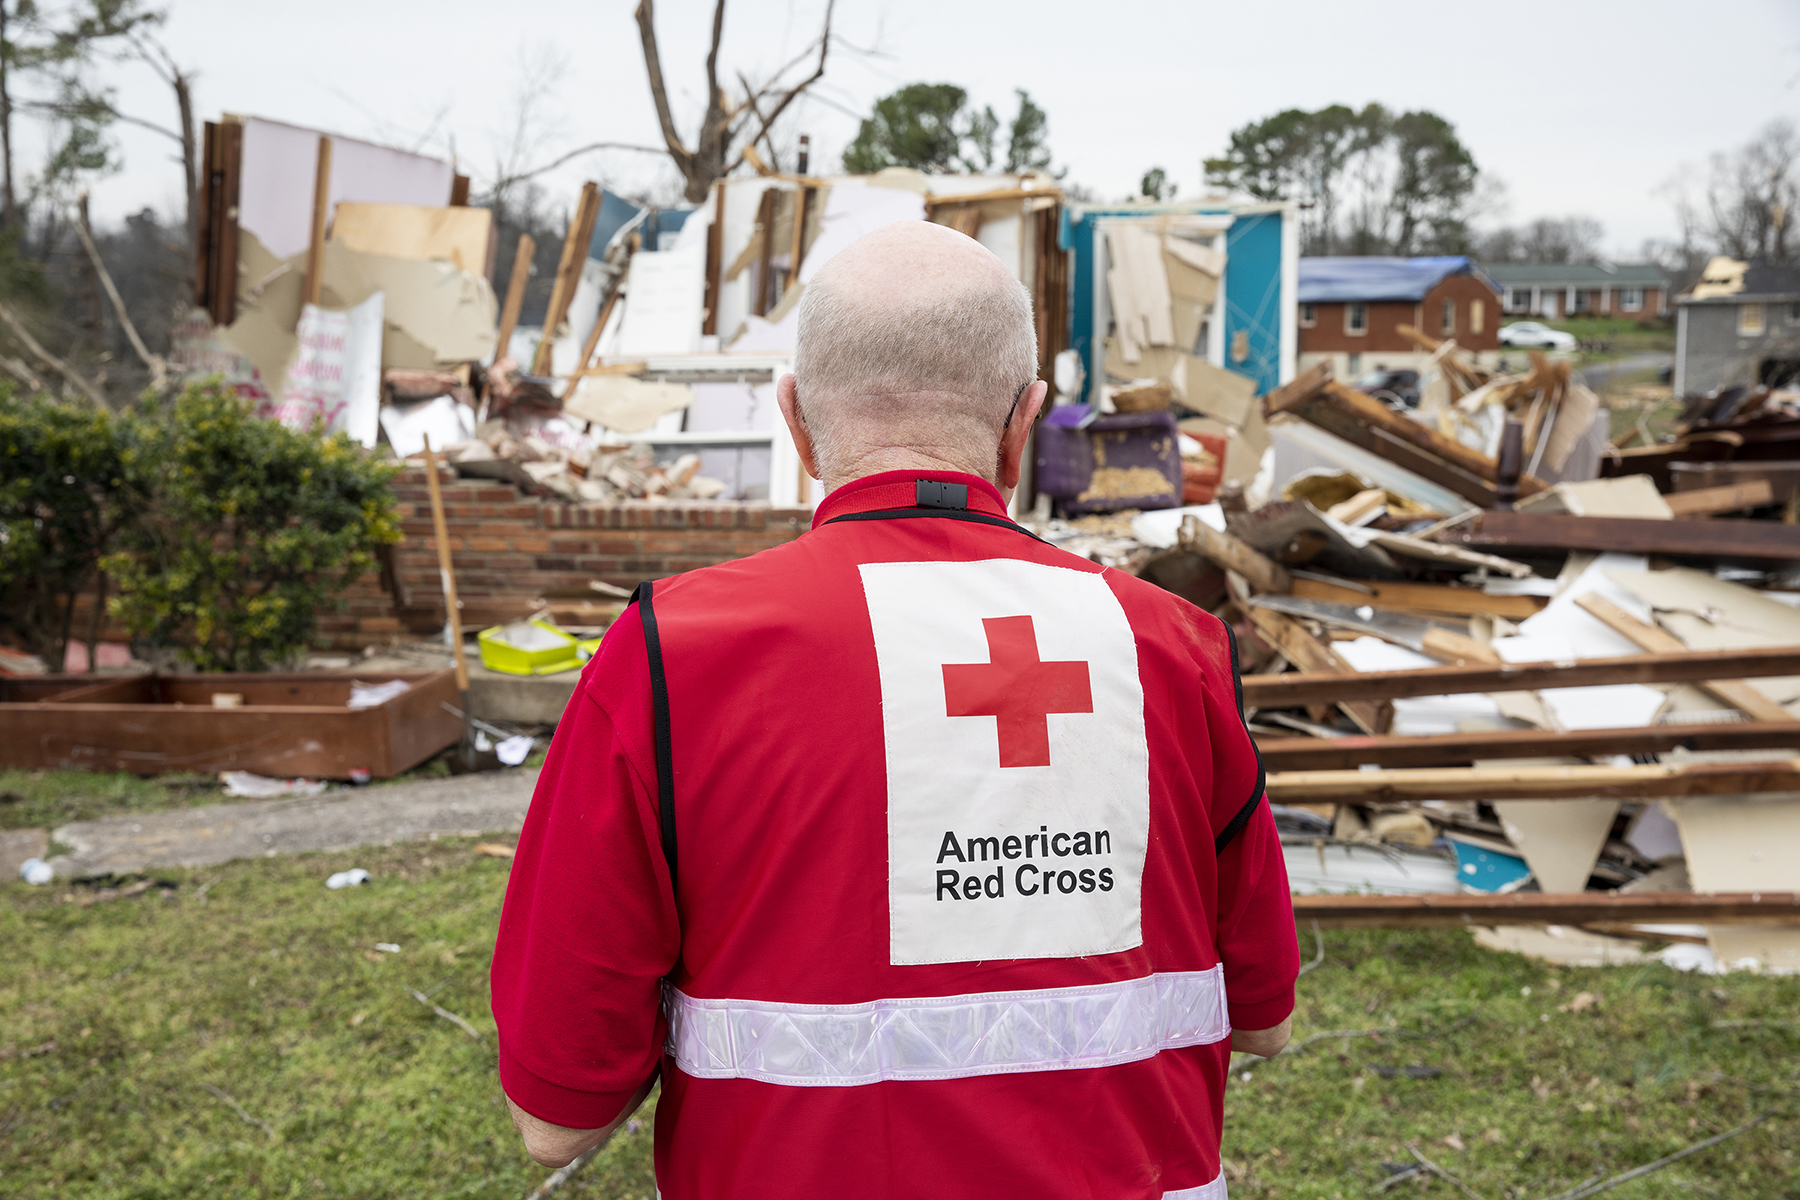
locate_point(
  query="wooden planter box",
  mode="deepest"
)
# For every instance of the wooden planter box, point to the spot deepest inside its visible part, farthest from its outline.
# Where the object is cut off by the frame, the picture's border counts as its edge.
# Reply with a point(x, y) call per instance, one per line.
point(288, 725)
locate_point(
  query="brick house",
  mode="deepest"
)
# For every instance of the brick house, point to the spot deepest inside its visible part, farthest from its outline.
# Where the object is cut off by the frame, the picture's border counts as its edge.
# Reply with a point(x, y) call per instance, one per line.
point(1351, 310)
point(1556, 291)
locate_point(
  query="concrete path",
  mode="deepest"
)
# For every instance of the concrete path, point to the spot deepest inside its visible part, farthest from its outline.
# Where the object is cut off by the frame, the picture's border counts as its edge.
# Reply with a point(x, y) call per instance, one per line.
point(491, 802)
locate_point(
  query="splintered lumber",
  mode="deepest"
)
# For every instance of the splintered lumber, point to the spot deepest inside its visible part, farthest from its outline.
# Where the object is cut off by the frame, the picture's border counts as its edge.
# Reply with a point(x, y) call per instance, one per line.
point(515, 293)
point(321, 208)
point(1353, 415)
point(1538, 908)
point(1512, 532)
point(1465, 749)
point(568, 273)
point(1300, 690)
point(1533, 783)
point(1447, 645)
point(1733, 497)
point(1308, 653)
point(1223, 550)
point(1432, 598)
point(1653, 640)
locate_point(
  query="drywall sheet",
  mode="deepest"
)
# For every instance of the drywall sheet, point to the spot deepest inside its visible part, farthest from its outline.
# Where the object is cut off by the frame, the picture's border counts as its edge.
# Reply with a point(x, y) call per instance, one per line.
point(1628, 496)
point(1138, 286)
point(432, 312)
point(1418, 715)
point(461, 237)
point(625, 404)
point(335, 379)
point(435, 312)
point(1710, 614)
point(275, 192)
point(1560, 841)
point(664, 299)
point(1744, 844)
point(1564, 629)
point(442, 420)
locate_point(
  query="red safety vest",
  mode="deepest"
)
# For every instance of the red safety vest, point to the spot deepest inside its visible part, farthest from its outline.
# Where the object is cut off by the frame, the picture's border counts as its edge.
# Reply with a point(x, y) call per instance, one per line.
point(945, 809)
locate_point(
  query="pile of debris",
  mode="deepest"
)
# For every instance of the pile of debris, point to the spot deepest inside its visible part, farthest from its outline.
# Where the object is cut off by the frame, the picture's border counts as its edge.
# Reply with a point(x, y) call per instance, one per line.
point(1568, 721)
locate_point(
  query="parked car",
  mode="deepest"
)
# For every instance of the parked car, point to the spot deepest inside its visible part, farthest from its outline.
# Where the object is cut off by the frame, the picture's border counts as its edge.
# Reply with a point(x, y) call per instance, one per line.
point(1398, 389)
point(1533, 335)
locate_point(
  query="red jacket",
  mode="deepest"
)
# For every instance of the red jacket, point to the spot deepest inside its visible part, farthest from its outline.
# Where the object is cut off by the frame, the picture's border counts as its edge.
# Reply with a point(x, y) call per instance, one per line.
point(971, 870)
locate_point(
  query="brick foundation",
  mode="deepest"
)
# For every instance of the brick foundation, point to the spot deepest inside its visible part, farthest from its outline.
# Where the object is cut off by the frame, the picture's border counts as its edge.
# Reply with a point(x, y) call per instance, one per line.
point(507, 546)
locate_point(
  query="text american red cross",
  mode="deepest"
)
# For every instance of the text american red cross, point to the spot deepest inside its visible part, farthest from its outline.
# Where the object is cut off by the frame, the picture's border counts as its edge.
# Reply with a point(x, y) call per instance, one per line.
point(1018, 690)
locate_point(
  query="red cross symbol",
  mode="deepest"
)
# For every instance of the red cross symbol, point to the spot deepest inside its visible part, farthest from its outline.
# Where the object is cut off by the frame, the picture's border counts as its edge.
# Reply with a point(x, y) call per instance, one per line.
point(1018, 690)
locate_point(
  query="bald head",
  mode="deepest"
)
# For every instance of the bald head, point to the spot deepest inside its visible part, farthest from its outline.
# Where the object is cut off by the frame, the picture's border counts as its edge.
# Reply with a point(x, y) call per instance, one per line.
point(913, 343)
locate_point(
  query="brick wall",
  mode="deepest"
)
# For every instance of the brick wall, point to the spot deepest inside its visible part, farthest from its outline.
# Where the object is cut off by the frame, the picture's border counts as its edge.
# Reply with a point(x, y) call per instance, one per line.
point(508, 547)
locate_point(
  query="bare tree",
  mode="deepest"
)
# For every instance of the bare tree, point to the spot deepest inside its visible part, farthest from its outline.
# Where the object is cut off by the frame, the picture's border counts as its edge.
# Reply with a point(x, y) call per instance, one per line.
point(730, 127)
point(1752, 195)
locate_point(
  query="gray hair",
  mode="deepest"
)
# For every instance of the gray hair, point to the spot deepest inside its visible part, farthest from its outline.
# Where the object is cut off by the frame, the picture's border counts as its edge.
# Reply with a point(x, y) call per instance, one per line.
point(947, 366)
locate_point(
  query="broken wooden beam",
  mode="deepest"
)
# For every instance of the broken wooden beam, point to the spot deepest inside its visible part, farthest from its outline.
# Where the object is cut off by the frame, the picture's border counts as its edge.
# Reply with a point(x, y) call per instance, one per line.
point(1727, 540)
point(1434, 598)
point(1539, 908)
point(1465, 749)
point(1733, 497)
point(1653, 640)
point(1395, 786)
point(1299, 690)
point(1223, 550)
point(1297, 644)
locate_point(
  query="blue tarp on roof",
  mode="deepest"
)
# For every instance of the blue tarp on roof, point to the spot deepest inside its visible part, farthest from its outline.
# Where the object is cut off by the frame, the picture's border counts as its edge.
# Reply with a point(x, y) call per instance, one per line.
point(1330, 280)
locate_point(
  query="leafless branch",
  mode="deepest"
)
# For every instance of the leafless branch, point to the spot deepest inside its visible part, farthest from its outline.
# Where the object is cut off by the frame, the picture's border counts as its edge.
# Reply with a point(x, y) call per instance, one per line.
point(445, 1013)
point(562, 1175)
point(56, 108)
point(48, 359)
point(19, 371)
point(646, 21)
point(1595, 1187)
point(818, 73)
point(521, 176)
point(159, 370)
point(1439, 1171)
point(225, 1097)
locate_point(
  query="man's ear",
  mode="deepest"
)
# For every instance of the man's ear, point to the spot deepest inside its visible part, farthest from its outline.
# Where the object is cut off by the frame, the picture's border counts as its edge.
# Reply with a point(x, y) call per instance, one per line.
point(1014, 437)
point(788, 397)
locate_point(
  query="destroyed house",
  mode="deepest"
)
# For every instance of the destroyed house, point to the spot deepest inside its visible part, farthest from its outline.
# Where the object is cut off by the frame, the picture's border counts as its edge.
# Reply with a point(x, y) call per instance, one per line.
point(1739, 325)
point(1352, 310)
point(1558, 290)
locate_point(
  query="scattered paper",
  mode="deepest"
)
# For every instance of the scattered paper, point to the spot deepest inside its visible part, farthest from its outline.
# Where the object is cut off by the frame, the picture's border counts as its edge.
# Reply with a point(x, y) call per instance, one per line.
point(354, 877)
point(368, 695)
point(513, 750)
point(261, 787)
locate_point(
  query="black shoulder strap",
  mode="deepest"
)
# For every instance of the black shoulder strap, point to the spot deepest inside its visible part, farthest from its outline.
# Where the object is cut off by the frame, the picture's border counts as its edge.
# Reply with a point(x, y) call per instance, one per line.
point(901, 514)
point(659, 709)
point(1237, 823)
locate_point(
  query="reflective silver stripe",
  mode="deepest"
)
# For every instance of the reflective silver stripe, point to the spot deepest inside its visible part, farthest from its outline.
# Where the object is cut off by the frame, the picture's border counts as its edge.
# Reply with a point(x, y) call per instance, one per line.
point(946, 1037)
point(1206, 1191)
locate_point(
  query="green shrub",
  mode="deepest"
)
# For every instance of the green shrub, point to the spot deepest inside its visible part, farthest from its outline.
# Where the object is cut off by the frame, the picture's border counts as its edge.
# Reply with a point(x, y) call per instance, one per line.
point(68, 490)
point(252, 528)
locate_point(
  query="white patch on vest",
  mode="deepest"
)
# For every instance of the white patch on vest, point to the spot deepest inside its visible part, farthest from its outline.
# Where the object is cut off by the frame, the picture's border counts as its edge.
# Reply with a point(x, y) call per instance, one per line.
point(947, 785)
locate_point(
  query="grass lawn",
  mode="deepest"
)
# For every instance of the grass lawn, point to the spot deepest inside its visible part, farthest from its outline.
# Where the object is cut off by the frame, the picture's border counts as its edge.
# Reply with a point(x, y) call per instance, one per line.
point(1612, 337)
point(119, 1019)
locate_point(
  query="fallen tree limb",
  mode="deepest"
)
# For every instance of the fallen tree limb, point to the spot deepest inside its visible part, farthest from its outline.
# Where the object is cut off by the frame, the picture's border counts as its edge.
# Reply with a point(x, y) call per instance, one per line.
point(225, 1098)
point(1595, 1187)
point(159, 369)
point(48, 359)
point(445, 1013)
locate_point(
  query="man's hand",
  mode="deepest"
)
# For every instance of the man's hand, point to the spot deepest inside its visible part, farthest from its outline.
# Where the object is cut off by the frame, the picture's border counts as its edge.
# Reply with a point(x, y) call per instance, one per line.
point(1264, 1042)
point(558, 1145)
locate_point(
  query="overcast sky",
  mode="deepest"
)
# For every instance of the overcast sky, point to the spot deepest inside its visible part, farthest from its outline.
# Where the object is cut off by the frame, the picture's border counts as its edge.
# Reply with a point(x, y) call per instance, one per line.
point(1586, 107)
